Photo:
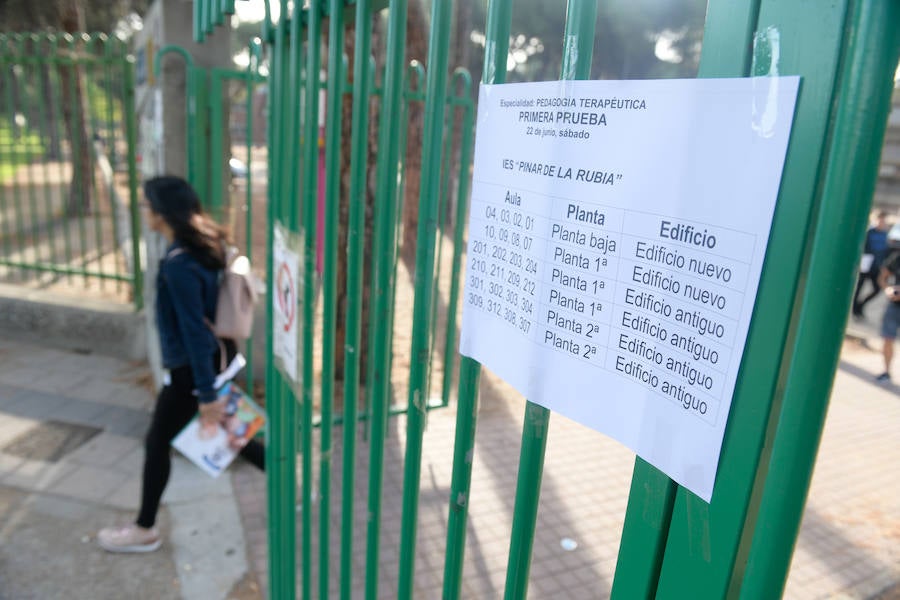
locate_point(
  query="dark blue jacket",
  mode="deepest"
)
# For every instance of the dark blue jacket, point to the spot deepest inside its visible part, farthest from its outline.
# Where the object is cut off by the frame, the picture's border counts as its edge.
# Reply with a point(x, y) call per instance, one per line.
point(186, 293)
point(877, 245)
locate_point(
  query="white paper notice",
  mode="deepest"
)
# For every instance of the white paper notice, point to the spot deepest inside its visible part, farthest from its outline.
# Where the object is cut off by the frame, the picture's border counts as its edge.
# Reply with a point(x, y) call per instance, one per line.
point(616, 236)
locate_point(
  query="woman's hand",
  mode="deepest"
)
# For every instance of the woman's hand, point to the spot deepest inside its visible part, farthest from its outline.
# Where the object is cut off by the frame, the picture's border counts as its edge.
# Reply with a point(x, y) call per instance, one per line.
point(212, 413)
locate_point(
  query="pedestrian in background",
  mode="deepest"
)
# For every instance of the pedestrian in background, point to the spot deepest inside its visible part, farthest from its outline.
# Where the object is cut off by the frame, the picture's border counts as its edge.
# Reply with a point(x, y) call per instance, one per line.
point(889, 278)
point(875, 251)
point(187, 288)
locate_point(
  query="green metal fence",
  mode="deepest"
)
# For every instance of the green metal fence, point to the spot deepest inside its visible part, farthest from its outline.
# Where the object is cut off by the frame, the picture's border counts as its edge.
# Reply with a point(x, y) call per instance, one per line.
point(68, 203)
point(674, 545)
point(295, 171)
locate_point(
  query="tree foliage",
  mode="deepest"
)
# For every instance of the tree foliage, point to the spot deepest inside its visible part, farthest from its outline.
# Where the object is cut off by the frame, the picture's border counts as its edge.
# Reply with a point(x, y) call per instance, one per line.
point(625, 46)
point(37, 15)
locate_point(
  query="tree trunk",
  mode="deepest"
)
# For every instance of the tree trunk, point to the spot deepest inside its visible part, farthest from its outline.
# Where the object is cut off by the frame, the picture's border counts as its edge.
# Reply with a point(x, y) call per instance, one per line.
point(416, 48)
point(74, 113)
point(369, 199)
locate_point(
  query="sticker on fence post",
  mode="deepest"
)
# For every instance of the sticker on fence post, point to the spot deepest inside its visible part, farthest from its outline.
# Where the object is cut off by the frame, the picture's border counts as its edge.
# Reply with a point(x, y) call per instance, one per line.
point(285, 301)
point(617, 232)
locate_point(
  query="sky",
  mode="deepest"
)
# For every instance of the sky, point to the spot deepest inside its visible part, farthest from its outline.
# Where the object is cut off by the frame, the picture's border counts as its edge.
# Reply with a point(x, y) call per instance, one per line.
point(254, 10)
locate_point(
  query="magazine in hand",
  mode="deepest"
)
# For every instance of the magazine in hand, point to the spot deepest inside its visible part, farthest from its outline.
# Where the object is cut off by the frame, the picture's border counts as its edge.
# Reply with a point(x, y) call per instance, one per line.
point(212, 448)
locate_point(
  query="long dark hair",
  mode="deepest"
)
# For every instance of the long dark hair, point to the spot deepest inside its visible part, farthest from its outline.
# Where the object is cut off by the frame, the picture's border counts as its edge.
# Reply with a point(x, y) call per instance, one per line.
point(177, 203)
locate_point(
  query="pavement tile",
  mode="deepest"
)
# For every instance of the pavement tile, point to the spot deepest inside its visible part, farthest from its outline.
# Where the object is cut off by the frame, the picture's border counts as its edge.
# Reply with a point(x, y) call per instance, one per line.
point(7, 392)
point(127, 495)
point(34, 404)
point(126, 422)
point(132, 462)
point(83, 482)
point(83, 412)
point(36, 475)
point(12, 427)
point(105, 450)
point(8, 464)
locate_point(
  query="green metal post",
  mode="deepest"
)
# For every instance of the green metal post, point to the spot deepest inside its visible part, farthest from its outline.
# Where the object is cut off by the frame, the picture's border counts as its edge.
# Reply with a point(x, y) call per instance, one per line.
point(495, 55)
point(205, 13)
point(462, 80)
point(133, 203)
point(46, 122)
point(198, 17)
point(201, 144)
point(75, 151)
point(865, 88)
point(581, 18)
point(217, 151)
point(56, 100)
point(311, 193)
point(329, 283)
point(255, 49)
point(282, 436)
point(110, 128)
point(90, 128)
point(12, 109)
point(30, 199)
point(420, 349)
point(652, 496)
point(7, 147)
point(355, 255)
point(382, 276)
point(710, 542)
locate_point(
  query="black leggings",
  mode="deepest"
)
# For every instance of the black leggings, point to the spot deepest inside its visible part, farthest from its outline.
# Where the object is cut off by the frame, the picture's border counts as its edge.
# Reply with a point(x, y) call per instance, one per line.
point(176, 405)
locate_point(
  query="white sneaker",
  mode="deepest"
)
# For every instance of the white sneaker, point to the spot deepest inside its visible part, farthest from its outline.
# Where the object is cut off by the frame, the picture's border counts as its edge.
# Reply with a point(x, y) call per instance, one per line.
point(129, 538)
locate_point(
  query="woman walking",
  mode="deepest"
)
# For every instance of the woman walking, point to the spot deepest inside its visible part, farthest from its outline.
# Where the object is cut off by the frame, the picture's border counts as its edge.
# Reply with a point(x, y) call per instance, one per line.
point(186, 292)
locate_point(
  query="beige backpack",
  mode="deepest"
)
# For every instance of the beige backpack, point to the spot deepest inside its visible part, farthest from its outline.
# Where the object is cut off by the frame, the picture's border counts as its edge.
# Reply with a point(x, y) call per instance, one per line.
point(238, 294)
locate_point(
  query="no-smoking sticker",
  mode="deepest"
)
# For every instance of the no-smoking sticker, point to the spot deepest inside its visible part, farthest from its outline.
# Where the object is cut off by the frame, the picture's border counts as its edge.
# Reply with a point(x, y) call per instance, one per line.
point(284, 301)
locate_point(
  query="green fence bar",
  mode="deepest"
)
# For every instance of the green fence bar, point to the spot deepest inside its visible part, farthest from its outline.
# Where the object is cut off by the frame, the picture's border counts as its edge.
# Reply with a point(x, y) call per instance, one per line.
point(310, 199)
point(379, 375)
point(109, 126)
point(462, 83)
point(91, 130)
point(29, 192)
point(253, 77)
point(216, 141)
point(329, 283)
point(280, 467)
point(866, 85)
point(651, 501)
point(45, 124)
point(76, 201)
point(470, 370)
point(7, 151)
point(56, 61)
point(355, 257)
point(652, 496)
point(133, 202)
point(581, 17)
point(198, 17)
point(17, 192)
point(425, 240)
point(812, 49)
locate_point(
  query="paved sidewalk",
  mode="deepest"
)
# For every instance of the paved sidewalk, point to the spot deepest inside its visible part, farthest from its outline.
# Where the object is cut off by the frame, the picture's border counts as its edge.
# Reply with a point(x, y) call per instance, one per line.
point(71, 429)
point(70, 455)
